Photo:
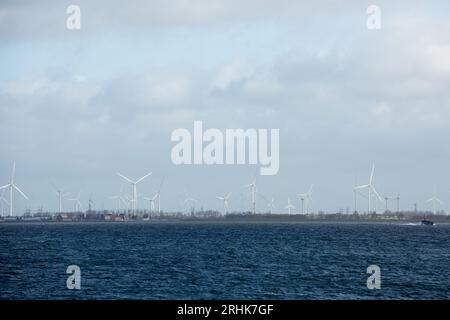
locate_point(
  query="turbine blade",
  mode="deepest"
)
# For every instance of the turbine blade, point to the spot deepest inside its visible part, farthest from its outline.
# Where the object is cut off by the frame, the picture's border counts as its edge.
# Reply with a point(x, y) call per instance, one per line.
point(125, 178)
point(148, 174)
point(362, 187)
point(5, 186)
point(377, 194)
point(20, 191)
point(371, 175)
point(13, 172)
point(162, 182)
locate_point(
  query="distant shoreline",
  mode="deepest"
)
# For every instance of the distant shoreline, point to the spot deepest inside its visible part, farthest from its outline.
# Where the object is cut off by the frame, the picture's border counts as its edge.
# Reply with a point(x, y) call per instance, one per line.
point(294, 219)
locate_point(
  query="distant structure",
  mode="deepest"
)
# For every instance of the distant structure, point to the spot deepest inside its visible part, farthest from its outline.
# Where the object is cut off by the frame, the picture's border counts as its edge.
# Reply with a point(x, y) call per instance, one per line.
point(225, 202)
point(308, 197)
point(77, 203)
point(289, 206)
point(134, 185)
point(435, 200)
point(11, 185)
point(370, 187)
point(60, 193)
point(252, 187)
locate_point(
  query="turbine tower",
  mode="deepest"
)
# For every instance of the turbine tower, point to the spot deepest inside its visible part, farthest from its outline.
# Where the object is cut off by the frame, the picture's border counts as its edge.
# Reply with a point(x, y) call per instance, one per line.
point(134, 185)
point(11, 185)
point(159, 196)
point(308, 197)
point(289, 206)
point(252, 187)
point(398, 202)
point(271, 205)
point(370, 189)
point(386, 199)
point(225, 203)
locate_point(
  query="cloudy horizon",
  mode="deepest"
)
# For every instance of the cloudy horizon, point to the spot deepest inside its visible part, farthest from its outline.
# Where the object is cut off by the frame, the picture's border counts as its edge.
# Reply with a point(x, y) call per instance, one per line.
point(77, 106)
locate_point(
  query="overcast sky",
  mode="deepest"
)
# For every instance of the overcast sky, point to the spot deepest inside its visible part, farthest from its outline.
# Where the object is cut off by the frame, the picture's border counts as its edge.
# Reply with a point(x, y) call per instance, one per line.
point(76, 106)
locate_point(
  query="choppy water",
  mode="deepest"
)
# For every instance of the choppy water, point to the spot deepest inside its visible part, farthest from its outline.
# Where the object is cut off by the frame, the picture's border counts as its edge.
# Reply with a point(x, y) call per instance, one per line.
point(224, 261)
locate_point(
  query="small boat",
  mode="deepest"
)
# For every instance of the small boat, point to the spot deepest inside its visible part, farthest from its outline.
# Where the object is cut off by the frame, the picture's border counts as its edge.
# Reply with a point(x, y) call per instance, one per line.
point(426, 222)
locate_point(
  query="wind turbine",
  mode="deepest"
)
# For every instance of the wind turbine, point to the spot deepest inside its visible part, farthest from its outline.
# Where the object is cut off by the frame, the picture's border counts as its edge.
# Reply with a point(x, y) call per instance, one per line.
point(252, 187)
point(370, 189)
point(397, 198)
point(158, 194)
point(308, 197)
point(134, 185)
point(435, 199)
point(78, 206)
point(119, 198)
point(152, 202)
point(225, 203)
point(271, 205)
point(386, 200)
point(191, 201)
point(289, 206)
point(12, 186)
point(129, 201)
point(60, 193)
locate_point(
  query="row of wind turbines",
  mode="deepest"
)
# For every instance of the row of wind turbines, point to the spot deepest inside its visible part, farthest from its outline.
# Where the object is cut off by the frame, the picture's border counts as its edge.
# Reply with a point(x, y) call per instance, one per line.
point(372, 192)
point(131, 201)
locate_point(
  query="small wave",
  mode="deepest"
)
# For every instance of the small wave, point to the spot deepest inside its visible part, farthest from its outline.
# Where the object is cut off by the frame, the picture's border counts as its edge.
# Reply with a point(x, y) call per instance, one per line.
point(410, 224)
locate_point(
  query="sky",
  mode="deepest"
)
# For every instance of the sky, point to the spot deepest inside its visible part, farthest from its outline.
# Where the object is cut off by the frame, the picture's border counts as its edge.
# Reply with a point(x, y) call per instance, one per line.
point(77, 106)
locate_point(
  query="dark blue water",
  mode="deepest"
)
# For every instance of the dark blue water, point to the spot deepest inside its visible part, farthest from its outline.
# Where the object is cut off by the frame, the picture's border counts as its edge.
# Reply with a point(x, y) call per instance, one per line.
point(224, 261)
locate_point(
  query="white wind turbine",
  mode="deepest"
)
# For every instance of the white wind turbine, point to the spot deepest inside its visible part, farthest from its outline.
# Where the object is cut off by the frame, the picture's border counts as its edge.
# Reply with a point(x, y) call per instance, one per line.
point(134, 185)
point(158, 195)
point(12, 186)
point(119, 198)
point(225, 203)
point(289, 206)
point(271, 205)
point(435, 200)
point(128, 201)
point(308, 197)
point(387, 199)
point(252, 187)
point(60, 193)
point(190, 201)
point(370, 189)
point(119, 201)
point(77, 203)
point(152, 202)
